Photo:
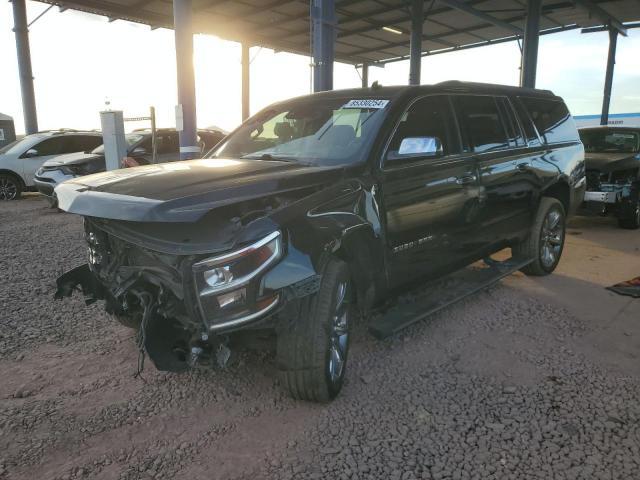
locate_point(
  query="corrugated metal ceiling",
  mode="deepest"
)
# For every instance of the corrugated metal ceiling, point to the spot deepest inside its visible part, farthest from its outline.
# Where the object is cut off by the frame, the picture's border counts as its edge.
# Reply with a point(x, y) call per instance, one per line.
point(284, 24)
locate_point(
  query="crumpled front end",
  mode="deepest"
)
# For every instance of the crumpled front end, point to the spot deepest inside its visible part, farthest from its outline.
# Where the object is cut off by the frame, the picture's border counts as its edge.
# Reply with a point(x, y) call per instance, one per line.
point(178, 303)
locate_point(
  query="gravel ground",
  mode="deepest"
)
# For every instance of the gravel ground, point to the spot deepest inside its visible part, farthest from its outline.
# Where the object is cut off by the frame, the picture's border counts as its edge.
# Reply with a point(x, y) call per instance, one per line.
point(534, 378)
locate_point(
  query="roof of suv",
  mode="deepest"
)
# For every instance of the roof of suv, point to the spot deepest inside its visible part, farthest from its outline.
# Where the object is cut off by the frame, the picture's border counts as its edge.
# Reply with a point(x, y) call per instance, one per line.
point(65, 132)
point(450, 86)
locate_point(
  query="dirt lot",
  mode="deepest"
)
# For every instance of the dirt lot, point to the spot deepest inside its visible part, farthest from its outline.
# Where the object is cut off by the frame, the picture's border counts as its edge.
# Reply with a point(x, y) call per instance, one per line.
point(535, 378)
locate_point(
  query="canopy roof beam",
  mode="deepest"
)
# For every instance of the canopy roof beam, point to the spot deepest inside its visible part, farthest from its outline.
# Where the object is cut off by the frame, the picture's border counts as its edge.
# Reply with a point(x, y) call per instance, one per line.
point(598, 12)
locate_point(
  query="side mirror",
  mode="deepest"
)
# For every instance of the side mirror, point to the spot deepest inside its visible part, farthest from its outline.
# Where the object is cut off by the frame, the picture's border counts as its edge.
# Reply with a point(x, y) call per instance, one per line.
point(32, 152)
point(417, 147)
point(139, 152)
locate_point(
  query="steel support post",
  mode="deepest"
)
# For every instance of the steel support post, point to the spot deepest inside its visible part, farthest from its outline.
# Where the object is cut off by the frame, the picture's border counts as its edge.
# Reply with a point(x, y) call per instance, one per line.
point(415, 48)
point(365, 75)
point(245, 81)
point(24, 66)
point(530, 44)
point(323, 18)
point(608, 79)
point(186, 110)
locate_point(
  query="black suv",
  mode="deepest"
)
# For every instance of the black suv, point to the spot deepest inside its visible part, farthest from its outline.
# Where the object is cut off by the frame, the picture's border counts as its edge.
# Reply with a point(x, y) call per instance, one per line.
point(320, 208)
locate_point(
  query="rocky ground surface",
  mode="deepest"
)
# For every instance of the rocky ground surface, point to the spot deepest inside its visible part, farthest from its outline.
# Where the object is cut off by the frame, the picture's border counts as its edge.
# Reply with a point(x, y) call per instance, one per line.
point(534, 378)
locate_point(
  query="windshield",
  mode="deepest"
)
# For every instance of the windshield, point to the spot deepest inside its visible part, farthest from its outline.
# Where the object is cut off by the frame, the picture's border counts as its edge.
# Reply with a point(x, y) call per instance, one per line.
point(316, 131)
point(130, 138)
point(619, 141)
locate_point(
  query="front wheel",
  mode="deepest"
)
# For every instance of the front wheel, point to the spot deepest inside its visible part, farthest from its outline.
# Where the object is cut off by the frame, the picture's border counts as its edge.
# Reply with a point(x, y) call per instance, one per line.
point(546, 239)
point(631, 221)
point(10, 187)
point(312, 350)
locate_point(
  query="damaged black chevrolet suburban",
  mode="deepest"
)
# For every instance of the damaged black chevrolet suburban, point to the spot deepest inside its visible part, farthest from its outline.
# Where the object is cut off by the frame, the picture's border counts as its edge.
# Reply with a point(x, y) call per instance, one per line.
point(317, 209)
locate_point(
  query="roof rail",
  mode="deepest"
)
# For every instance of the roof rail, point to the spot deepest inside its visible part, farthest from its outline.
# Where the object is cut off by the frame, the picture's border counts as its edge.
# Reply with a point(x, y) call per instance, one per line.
point(68, 130)
point(468, 85)
point(58, 130)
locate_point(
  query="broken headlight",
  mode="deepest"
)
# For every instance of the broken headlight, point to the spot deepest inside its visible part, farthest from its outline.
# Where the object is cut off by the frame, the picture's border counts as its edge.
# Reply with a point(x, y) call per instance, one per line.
point(226, 293)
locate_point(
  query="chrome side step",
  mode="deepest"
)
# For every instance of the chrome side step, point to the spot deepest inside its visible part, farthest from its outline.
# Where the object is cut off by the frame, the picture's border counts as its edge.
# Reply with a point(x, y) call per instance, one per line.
point(444, 292)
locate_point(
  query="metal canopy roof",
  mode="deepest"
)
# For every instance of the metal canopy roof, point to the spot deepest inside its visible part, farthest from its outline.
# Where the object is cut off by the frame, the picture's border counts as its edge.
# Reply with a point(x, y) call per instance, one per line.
point(448, 24)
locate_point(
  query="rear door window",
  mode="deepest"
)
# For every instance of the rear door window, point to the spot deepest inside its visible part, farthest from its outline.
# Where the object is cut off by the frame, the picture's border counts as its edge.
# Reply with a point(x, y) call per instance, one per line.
point(168, 143)
point(480, 122)
point(530, 133)
point(81, 143)
point(552, 119)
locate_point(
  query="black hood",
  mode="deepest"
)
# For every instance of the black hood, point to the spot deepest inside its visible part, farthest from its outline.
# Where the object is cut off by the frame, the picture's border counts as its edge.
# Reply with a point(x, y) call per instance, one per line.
point(184, 191)
point(73, 159)
point(611, 162)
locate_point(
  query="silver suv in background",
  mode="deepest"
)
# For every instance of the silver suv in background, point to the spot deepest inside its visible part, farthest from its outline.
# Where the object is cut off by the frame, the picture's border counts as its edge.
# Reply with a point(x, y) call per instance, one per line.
point(20, 160)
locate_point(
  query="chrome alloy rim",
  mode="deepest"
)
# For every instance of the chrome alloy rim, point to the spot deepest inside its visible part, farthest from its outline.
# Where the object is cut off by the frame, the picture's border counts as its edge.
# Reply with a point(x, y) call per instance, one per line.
point(339, 334)
point(8, 189)
point(551, 238)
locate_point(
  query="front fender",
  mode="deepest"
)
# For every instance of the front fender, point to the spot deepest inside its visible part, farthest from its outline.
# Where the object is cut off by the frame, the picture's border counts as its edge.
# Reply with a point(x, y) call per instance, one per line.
point(345, 223)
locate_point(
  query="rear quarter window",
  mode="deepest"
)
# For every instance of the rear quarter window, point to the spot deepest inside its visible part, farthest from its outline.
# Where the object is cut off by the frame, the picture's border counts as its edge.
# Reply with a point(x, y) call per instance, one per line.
point(480, 122)
point(552, 119)
point(81, 143)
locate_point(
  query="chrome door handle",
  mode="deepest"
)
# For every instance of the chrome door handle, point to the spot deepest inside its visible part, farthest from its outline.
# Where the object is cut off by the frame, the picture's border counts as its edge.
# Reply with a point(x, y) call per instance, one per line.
point(466, 179)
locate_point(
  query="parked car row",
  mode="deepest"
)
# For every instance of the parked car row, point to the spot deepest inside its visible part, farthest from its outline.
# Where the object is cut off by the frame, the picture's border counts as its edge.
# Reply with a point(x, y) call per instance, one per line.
point(45, 159)
point(65, 167)
point(20, 160)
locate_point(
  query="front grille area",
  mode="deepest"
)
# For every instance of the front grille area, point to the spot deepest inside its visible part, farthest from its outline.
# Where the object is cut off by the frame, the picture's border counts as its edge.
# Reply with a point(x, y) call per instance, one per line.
point(122, 267)
point(595, 178)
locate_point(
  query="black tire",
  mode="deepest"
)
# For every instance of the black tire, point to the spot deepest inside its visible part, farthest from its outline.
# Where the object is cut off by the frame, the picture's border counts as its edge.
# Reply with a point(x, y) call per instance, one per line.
point(10, 187)
point(544, 239)
point(307, 345)
point(631, 221)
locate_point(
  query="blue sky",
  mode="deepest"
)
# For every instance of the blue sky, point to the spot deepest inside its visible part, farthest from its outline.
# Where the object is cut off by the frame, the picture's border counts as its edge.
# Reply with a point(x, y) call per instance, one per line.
point(79, 60)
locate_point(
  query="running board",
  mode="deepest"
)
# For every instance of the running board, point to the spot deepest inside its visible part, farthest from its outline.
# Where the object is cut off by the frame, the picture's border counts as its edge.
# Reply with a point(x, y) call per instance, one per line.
point(444, 292)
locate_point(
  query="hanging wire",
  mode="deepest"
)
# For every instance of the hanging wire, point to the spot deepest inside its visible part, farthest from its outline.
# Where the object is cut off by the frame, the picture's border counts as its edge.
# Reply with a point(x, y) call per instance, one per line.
point(146, 299)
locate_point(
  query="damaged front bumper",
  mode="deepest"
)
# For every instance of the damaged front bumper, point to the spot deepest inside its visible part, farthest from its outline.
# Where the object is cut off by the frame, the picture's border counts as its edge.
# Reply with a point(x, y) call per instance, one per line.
point(188, 299)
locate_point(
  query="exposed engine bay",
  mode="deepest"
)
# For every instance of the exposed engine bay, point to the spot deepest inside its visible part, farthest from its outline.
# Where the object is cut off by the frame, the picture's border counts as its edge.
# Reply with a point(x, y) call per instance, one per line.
point(143, 290)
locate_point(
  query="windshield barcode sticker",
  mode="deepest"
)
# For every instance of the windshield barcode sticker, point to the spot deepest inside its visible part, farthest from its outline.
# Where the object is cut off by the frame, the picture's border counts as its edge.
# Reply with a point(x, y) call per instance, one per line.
point(366, 103)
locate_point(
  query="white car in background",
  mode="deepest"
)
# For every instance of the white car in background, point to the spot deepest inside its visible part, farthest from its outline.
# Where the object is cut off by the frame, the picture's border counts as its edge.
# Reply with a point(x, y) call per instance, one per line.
point(20, 160)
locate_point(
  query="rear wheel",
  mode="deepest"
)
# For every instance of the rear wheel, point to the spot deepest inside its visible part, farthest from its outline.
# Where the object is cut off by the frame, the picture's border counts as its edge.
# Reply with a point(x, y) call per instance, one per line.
point(546, 239)
point(631, 221)
point(10, 187)
point(312, 351)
